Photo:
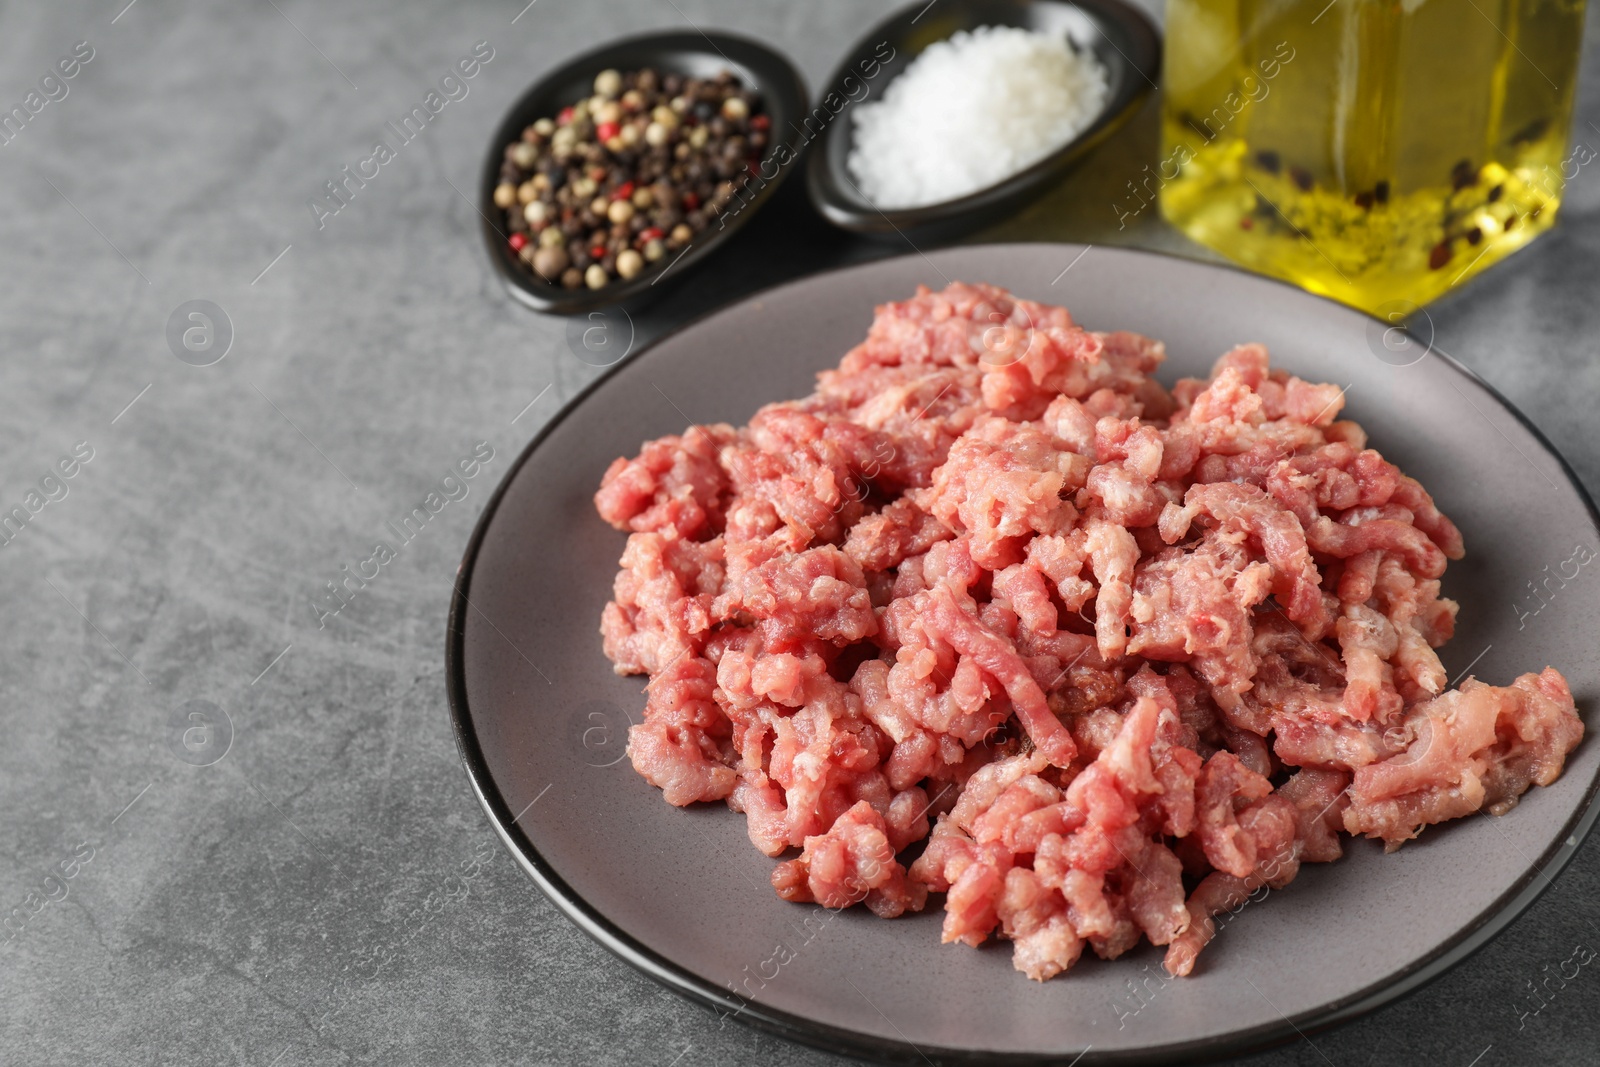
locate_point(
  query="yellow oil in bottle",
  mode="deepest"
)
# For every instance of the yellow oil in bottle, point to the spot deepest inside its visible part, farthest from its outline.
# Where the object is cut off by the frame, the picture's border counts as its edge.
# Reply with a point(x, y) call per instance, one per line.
point(1375, 151)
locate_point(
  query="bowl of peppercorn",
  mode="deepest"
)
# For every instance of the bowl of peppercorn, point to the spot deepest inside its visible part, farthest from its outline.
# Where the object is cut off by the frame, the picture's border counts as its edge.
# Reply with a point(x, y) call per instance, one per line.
point(612, 176)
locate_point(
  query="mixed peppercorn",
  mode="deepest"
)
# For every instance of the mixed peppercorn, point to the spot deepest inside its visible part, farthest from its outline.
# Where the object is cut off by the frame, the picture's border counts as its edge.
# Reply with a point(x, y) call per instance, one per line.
point(621, 179)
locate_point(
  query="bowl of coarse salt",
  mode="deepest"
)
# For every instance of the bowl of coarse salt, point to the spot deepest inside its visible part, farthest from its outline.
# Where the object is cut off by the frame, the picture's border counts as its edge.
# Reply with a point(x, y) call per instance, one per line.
point(952, 113)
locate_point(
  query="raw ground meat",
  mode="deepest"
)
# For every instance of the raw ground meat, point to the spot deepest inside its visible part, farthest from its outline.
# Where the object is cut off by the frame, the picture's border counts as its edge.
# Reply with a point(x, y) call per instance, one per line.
point(994, 615)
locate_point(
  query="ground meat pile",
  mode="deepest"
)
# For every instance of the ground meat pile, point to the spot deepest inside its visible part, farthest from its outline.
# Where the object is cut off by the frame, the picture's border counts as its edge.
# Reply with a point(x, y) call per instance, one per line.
point(993, 614)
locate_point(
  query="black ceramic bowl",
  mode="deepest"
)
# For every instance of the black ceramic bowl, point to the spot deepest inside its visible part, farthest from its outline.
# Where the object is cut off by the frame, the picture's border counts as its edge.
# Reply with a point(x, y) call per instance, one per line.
point(1120, 36)
point(783, 97)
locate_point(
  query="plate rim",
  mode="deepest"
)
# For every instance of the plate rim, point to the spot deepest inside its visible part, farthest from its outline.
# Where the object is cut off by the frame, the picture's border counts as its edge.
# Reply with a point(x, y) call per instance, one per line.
point(1539, 876)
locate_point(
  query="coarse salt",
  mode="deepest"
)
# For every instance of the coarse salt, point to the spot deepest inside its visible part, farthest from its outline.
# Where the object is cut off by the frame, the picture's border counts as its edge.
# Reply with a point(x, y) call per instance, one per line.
point(971, 111)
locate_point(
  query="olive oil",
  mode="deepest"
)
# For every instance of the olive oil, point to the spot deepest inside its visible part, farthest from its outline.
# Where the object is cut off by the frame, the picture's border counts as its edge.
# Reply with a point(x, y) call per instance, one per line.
point(1375, 151)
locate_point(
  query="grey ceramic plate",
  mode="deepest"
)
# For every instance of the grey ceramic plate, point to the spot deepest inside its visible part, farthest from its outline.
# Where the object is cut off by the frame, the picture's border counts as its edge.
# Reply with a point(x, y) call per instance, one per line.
point(681, 894)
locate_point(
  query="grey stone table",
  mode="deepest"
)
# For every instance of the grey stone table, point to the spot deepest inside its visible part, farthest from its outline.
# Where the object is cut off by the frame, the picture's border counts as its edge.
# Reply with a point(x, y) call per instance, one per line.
point(308, 880)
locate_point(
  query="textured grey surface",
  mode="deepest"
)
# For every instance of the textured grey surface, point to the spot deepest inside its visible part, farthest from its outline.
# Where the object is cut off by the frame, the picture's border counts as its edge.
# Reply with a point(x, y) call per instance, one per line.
point(328, 891)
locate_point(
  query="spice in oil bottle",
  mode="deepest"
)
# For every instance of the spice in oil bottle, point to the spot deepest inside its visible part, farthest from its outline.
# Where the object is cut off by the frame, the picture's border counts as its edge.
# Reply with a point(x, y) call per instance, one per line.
point(1376, 151)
